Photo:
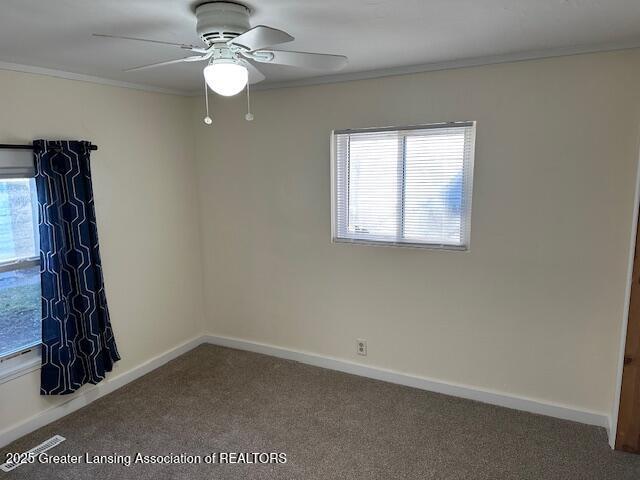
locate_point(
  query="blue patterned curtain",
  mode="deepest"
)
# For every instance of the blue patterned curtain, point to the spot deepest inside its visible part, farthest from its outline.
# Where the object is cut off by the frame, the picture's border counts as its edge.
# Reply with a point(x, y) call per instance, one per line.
point(77, 342)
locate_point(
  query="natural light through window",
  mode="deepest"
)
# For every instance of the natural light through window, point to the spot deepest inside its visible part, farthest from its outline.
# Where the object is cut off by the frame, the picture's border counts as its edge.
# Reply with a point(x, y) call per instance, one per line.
point(19, 266)
point(405, 186)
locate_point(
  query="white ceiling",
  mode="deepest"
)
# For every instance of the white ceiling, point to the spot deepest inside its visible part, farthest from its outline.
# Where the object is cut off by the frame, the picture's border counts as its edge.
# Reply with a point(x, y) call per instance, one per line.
point(374, 34)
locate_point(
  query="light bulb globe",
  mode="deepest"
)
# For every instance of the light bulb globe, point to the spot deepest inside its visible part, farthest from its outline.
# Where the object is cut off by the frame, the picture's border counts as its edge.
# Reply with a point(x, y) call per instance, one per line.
point(226, 77)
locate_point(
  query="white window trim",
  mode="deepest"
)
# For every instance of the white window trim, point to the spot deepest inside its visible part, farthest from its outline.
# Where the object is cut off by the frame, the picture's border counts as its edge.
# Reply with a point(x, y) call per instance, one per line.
point(384, 243)
point(19, 363)
point(19, 265)
point(14, 364)
point(27, 358)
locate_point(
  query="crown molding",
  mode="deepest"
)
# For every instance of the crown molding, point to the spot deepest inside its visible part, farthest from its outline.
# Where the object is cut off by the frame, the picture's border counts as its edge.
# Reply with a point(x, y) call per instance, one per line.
point(49, 72)
point(345, 77)
point(452, 64)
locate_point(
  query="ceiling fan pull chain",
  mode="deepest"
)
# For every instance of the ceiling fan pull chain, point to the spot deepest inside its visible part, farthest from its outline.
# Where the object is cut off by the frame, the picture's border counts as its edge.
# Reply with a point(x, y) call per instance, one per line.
point(249, 116)
point(207, 120)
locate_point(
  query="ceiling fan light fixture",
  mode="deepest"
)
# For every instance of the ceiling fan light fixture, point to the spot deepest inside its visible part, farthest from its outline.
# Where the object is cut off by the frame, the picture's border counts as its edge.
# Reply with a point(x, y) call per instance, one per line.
point(226, 77)
point(230, 46)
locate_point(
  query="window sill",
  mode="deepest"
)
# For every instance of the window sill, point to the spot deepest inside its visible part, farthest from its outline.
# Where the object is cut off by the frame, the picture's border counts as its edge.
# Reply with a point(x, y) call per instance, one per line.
point(19, 365)
point(385, 243)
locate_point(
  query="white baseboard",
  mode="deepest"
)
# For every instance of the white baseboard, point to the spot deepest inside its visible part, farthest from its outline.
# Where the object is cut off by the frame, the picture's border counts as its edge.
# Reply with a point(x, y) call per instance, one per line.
point(472, 393)
point(611, 432)
point(91, 393)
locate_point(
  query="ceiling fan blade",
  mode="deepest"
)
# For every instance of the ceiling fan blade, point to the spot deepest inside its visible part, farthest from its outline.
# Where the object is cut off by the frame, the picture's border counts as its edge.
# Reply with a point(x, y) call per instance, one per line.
point(181, 45)
point(168, 62)
point(255, 75)
point(310, 61)
point(261, 37)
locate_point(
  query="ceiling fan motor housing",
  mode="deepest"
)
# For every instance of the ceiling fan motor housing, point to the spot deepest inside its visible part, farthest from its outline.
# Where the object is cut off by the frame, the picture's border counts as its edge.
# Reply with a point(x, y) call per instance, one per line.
point(219, 22)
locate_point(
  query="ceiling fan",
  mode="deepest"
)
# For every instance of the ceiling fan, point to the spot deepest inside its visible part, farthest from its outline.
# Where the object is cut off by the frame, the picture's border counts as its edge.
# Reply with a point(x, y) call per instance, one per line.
point(231, 47)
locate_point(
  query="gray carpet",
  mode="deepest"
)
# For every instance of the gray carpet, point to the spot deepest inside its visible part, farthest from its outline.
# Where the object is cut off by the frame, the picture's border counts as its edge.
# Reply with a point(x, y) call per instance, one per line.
point(330, 425)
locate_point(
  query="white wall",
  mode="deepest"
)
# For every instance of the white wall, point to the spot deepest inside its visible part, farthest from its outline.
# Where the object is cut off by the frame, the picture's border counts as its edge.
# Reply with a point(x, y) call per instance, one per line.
point(534, 309)
point(146, 207)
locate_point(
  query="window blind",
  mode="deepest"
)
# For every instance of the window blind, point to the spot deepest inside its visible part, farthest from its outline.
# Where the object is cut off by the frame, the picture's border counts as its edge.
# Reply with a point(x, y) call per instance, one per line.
point(404, 186)
point(16, 164)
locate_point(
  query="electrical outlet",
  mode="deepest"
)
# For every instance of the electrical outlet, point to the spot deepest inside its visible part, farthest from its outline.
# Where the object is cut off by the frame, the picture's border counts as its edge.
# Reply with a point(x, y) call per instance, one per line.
point(361, 347)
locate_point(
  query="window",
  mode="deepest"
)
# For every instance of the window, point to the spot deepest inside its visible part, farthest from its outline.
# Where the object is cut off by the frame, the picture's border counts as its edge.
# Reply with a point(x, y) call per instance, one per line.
point(403, 186)
point(20, 308)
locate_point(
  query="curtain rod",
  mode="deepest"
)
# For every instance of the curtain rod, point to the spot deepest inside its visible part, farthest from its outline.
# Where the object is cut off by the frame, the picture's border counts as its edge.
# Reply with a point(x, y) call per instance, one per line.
point(10, 146)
